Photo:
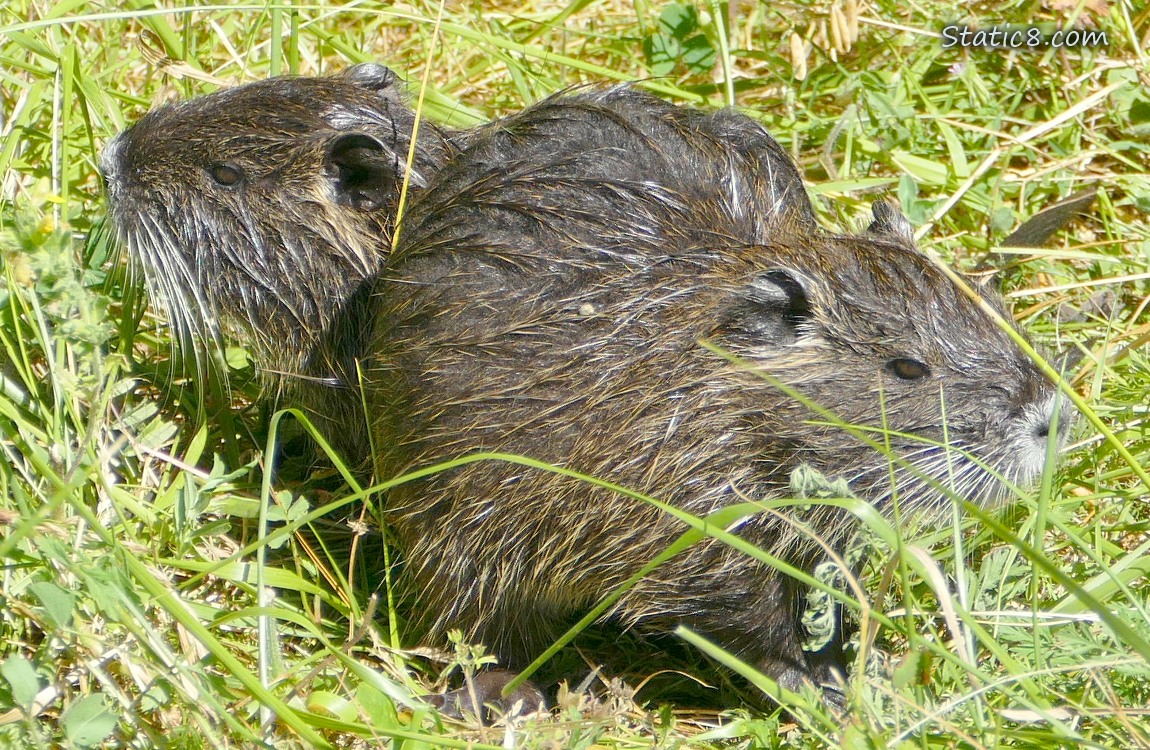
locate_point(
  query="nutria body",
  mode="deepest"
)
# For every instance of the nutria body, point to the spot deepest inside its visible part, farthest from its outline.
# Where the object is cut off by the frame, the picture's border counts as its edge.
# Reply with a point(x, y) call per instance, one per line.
point(260, 211)
point(548, 298)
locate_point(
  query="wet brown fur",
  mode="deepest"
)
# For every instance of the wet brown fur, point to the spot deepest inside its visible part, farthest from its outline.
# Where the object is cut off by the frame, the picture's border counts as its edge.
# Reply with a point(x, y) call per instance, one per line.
point(548, 298)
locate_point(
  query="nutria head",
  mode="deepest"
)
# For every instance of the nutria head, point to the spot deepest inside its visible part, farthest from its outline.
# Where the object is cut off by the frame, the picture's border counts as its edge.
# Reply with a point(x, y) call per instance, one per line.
point(872, 332)
point(259, 210)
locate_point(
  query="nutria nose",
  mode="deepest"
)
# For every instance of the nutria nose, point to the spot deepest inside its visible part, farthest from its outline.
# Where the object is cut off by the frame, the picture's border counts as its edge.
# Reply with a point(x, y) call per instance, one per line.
point(110, 159)
point(1058, 413)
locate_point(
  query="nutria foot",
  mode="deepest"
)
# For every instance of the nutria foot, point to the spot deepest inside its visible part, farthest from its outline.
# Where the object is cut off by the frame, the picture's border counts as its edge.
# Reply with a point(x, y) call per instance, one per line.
point(482, 697)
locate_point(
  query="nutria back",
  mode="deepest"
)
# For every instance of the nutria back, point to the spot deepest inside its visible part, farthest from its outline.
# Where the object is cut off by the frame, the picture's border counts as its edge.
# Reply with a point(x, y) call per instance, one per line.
point(550, 296)
point(260, 210)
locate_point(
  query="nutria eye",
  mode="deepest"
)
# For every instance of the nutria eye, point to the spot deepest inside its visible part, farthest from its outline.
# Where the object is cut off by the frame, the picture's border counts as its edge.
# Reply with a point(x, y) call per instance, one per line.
point(908, 369)
point(225, 174)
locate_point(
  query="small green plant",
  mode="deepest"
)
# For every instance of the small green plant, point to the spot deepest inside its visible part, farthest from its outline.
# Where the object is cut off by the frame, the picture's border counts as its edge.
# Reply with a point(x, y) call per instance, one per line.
point(679, 42)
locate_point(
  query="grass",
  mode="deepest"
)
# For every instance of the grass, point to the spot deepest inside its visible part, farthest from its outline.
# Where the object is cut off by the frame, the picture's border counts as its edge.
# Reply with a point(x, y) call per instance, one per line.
point(144, 603)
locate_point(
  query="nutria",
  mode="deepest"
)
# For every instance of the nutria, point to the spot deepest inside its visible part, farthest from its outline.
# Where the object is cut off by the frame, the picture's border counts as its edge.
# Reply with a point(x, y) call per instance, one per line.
point(260, 211)
point(549, 296)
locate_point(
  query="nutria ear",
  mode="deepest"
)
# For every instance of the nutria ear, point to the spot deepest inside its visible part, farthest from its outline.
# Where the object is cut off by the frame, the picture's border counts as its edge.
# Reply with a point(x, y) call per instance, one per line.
point(772, 308)
point(362, 171)
point(374, 77)
point(889, 221)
